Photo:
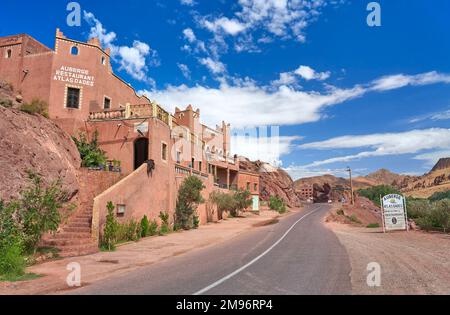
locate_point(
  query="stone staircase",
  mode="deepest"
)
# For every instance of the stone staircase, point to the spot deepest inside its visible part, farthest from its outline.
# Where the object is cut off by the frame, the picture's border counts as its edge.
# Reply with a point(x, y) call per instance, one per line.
point(75, 238)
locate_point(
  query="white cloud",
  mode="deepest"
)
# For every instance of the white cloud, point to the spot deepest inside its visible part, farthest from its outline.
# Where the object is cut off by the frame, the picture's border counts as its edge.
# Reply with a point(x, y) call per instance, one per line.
point(131, 59)
point(190, 3)
point(223, 24)
point(391, 82)
point(266, 149)
point(445, 115)
point(286, 78)
point(215, 66)
point(387, 144)
point(308, 74)
point(185, 70)
point(244, 103)
point(189, 35)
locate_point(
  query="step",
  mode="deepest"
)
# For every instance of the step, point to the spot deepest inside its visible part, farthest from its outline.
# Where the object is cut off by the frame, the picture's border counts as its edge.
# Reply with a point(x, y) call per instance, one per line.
point(72, 235)
point(61, 242)
point(78, 220)
point(72, 251)
point(79, 225)
point(77, 229)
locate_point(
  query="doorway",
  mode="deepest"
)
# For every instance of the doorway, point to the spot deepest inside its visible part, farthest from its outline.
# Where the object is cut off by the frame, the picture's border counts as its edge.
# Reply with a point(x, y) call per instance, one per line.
point(140, 152)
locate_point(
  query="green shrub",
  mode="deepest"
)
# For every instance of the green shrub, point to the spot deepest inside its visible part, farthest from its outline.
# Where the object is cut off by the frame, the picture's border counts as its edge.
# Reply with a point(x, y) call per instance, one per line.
point(242, 200)
point(340, 212)
point(223, 201)
point(145, 226)
point(189, 198)
point(12, 261)
point(132, 231)
point(374, 193)
point(373, 226)
point(418, 208)
point(153, 228)
point(277, 204)
point(440, 196)
point(90, 153)
point(38, 211)
point(35, 107)
point(111, 229)
point(440, 215)
point(165, 224)
point(196, 221)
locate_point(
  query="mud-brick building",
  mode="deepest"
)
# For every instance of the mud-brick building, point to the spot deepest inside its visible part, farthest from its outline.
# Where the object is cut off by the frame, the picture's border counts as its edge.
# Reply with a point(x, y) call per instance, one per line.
point(156, 149)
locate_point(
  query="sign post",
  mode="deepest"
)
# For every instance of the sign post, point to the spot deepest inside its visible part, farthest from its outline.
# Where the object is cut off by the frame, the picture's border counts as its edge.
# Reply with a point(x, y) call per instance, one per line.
point(394, 213)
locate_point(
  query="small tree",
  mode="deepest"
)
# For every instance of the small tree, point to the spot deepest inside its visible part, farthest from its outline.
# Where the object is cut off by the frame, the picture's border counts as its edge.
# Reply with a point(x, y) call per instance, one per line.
point(90, 153)
point(111, 228)
point(242, 200)
point(145, 226)
point(189, 198)
point(38, 211)
point(165, 224)
point(277, 204)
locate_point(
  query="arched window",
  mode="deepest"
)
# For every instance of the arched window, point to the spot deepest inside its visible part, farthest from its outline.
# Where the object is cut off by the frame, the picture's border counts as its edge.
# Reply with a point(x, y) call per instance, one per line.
point(103, 60)
point(8, 54)
point(74, 50)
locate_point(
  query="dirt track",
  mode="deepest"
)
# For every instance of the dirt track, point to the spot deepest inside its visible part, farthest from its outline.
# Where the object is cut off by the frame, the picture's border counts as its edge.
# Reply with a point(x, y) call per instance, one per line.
point(411, 262)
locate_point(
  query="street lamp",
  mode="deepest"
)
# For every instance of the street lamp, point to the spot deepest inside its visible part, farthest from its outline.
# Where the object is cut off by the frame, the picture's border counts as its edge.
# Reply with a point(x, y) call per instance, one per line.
point(349, 170)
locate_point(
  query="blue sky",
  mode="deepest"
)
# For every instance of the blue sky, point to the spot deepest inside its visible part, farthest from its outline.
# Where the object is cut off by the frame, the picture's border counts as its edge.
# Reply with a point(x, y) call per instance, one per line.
point(340, 92)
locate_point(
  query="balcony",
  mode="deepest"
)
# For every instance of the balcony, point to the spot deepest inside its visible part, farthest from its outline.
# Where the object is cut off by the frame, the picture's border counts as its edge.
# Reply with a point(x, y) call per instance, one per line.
point(132, 112)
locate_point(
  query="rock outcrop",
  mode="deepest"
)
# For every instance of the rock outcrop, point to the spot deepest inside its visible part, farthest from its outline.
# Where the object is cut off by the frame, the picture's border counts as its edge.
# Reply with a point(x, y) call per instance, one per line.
point(442, 164)
point(274, 182)
point(34, 143)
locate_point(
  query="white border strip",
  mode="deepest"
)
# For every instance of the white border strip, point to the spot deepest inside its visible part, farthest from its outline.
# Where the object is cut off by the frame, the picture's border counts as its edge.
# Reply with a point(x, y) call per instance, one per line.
point(231, 275)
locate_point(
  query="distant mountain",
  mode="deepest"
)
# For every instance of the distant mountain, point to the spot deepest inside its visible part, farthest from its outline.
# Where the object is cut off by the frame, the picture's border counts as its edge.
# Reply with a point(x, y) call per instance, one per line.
point(437, 180)
point(385, 177)
point(442, 164)
point(333, 181)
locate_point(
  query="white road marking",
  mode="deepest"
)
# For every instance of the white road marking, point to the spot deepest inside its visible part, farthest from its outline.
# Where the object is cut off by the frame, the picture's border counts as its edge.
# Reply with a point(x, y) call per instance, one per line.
point(231, 275)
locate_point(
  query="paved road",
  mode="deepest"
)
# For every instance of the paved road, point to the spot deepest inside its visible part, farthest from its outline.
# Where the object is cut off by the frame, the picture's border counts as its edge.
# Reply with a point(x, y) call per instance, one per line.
point(299, 255)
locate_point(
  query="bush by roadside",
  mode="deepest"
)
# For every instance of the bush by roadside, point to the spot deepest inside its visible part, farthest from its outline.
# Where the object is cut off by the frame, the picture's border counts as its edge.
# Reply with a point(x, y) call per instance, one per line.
point(277, 204)
point(233, 203)
point(24, 221)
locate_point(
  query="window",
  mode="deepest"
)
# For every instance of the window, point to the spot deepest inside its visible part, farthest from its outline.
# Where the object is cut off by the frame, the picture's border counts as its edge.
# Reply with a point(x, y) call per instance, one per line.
point(74, 51)
point(192, 163)
point(121, 210)
point(103, 60)
point(200, 166)
point(164, 152)
point(8, 54)
point(255, 187)
point(178, 157)
point(73, 98)
point(248, 186)
point(107, 103)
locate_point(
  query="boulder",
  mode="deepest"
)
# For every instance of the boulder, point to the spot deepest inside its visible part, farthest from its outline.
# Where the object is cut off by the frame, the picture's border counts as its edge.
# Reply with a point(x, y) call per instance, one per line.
point(274, 182)
point(34, 143)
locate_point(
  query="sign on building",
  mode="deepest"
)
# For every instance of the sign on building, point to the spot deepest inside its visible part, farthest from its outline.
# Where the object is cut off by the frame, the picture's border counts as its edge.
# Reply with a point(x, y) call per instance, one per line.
point(141, 128)
point(395, 217)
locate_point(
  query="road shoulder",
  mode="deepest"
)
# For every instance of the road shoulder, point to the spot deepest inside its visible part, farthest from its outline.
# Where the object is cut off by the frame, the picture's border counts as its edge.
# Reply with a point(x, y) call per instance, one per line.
point(411, 262)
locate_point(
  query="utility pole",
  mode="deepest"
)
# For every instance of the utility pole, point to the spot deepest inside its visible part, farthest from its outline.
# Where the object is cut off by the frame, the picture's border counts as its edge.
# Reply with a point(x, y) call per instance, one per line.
point(349, 170)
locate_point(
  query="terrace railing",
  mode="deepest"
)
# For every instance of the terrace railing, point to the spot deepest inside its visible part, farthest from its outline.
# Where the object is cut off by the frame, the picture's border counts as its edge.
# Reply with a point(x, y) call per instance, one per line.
point(132, 112)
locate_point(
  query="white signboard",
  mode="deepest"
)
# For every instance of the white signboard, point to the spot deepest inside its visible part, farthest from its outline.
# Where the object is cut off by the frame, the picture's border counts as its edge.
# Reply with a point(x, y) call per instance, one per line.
point(74, 76)
point(141, 127)
point(394, 213)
